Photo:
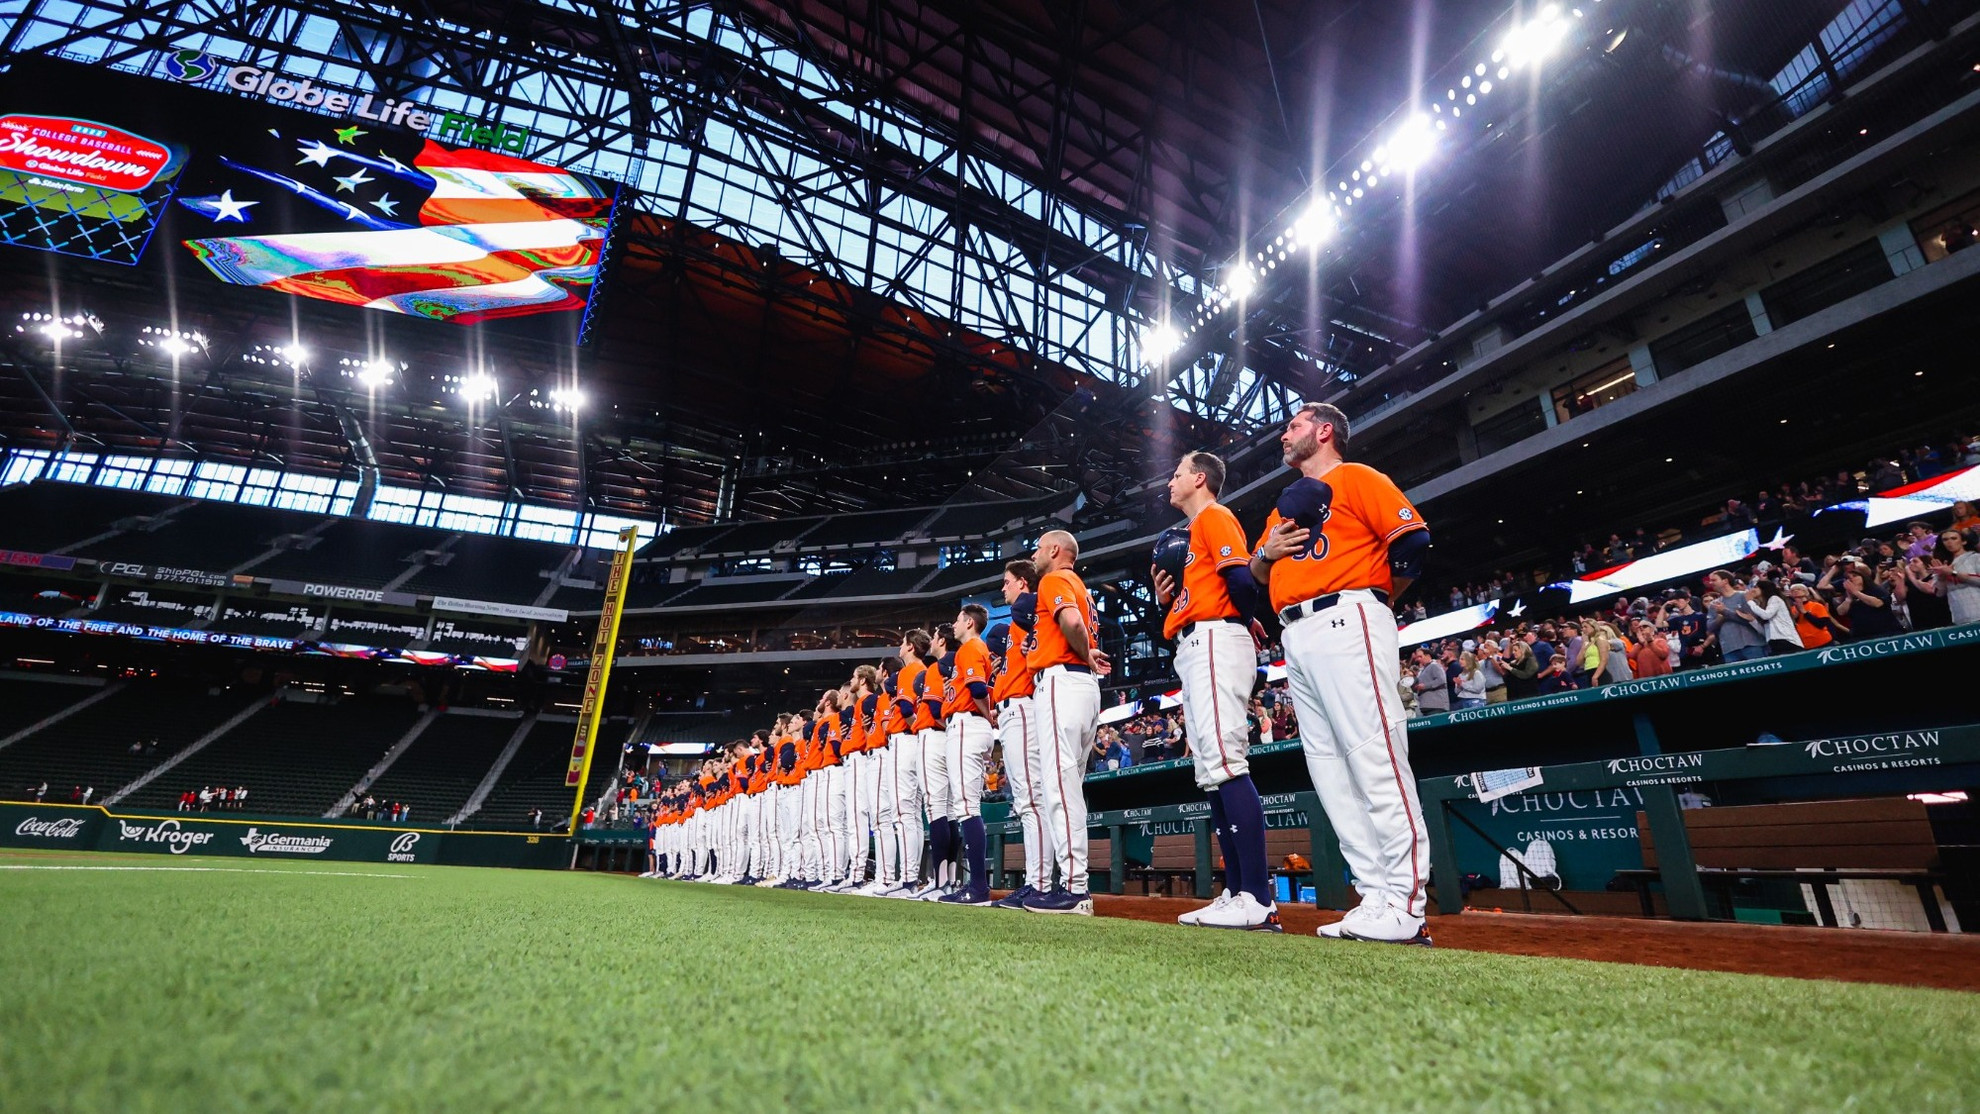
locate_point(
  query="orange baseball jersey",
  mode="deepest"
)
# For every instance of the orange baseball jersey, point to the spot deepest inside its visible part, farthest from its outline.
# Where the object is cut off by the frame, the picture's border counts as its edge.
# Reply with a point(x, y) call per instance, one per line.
point(871, 707)
point(928, 705)
point(904, 682)
point(971, 666)
point(1058, 590)
point(1015, 678)
point(1351, 549)
point(855, 729)
point(1216, 542)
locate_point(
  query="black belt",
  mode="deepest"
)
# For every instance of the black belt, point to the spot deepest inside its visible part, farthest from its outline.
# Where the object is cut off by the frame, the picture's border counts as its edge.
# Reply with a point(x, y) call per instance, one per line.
point(1070, 668)
point(1298, 611)
point(1189, 628)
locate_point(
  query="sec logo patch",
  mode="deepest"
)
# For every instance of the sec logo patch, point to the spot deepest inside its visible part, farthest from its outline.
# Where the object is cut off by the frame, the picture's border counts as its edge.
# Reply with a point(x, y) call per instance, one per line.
point(1225, 552)
point(1405, 514)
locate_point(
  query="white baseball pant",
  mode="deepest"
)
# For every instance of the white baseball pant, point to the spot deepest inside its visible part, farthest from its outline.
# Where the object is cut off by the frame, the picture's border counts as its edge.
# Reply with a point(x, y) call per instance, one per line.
point(908, 830)
point(1342, 666)
point(1024, 767)
point(1218, 665)
point(1069, 708)
point(838, 819)
point(866, 800)
point(790, 830)
point(968, 741)
point(935, 772)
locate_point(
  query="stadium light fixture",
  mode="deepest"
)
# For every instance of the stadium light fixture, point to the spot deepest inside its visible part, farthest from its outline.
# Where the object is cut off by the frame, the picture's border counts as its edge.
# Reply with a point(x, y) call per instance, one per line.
point(295, 353)
point(1314, 227)
point(375, 374)
point(1412, 145)
point(1239, 282)
point(1536, 40)
point(567, 398)
point(477, 387)
point(1158, 340)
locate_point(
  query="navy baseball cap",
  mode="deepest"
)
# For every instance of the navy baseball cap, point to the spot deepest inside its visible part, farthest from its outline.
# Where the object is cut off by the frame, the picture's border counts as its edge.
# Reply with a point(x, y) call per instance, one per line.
point(1172, 552)
point(1305, 501)
point(998, 637)
point(1024, 611)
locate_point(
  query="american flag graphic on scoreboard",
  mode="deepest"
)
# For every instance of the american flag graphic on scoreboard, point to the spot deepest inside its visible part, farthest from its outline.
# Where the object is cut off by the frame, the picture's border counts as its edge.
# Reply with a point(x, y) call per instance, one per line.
point(400, 223)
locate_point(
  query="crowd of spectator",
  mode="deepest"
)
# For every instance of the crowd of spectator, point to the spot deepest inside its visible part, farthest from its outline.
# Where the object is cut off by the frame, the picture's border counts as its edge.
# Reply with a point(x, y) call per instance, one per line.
point(1783, 602)
point(369, 807)
point(1767, 508)
point(209, 798)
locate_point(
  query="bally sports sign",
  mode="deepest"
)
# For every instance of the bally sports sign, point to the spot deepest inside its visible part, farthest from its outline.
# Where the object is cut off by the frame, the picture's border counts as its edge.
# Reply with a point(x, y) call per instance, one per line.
point(80, 151)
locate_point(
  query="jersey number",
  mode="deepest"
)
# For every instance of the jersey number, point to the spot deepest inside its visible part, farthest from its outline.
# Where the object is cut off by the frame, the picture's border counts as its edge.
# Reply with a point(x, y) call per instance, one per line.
point(1315, 548)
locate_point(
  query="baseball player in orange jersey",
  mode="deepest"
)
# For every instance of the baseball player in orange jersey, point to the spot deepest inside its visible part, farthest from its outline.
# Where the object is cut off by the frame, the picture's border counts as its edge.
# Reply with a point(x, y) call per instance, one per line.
point(1066, 664)
point(790, 800)
point(1339, 546)
point(904, 775)
point(870, 680)
point(838, 792)
point(931, 731)
point(972, 727)
point(1017, 728)
point(1210, 598)
point(852, 868)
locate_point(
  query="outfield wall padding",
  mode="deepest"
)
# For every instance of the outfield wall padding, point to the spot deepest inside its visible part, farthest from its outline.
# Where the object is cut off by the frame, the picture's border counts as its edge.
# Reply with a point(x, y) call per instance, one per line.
point(67, 827)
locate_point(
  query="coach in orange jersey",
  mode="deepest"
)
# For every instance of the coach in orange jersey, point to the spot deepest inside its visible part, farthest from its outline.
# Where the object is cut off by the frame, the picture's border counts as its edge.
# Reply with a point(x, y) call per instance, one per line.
point(1066, 664)
point(1342, 542)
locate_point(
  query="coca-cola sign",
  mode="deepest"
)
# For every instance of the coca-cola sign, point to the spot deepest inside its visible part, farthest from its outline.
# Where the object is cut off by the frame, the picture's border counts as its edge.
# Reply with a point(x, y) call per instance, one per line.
point(37, 828)
point(80, 151)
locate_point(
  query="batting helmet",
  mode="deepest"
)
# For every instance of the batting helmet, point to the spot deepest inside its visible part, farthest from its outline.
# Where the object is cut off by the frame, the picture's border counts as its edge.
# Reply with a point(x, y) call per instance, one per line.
point(1306, 501)
point(998, 638)
point(1172, 552)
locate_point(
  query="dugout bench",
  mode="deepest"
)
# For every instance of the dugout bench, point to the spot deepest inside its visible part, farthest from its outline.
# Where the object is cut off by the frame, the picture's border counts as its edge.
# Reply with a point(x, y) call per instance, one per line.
point(1818, 844)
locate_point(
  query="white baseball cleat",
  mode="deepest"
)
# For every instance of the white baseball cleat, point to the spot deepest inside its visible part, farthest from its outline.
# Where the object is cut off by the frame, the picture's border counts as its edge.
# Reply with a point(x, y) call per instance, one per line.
point(1195, 916)
point(1242, 912)
point(1368, 907)
point(1385, 924)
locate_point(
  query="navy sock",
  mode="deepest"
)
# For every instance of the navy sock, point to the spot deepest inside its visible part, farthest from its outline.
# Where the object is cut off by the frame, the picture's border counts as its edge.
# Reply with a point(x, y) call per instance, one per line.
point(1220, 823)
point(974, 842)
point(1247, 818)
point(939, 846)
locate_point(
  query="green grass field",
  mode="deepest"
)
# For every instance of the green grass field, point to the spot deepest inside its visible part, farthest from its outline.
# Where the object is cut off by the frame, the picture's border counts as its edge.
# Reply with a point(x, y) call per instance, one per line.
point(437, 988)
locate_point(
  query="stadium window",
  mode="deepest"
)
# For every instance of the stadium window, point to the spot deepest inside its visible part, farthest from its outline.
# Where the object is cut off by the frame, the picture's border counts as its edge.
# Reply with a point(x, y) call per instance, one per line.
point(123, 471)
point(396, 504)
point(258, 490)
point(217, 481)
point(345, 499)
point(169, 476)
point(75, 468)
point(1835, 279)
point(545, 524)
point(307, 493)
point(23, 465)
point(470, 515)
point(1701, 340)
point(602, 530)
point(1595, 389)
point(1511, 426)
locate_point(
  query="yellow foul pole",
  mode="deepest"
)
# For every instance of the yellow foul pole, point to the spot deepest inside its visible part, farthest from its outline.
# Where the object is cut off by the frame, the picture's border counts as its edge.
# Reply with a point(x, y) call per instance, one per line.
point(602, 649)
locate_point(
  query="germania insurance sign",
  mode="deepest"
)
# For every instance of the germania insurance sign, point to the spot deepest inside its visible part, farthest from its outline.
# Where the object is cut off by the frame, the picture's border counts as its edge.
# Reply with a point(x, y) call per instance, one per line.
point(80, 151)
